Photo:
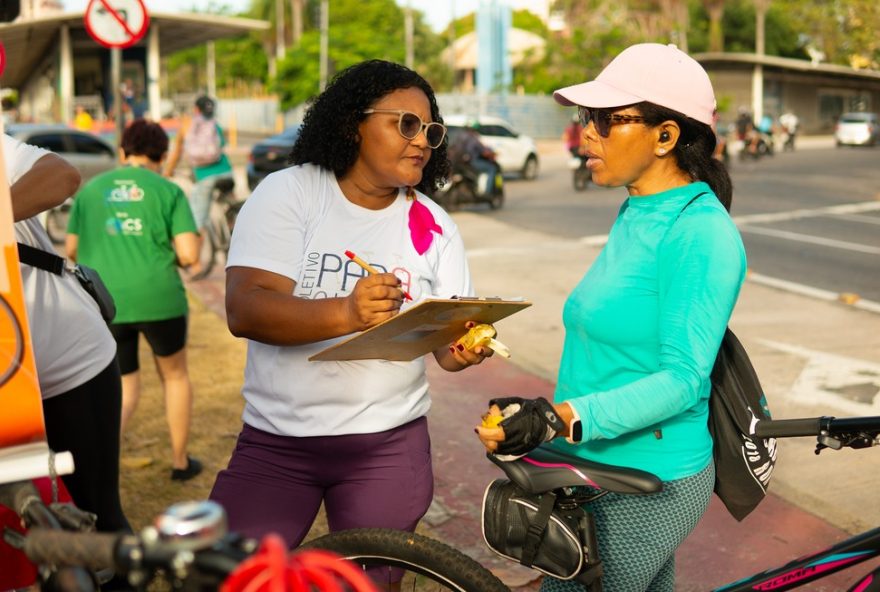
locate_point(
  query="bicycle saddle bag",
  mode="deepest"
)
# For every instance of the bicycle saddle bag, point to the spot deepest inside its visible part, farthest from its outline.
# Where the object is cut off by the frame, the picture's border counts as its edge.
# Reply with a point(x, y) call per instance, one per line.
point(528, 529)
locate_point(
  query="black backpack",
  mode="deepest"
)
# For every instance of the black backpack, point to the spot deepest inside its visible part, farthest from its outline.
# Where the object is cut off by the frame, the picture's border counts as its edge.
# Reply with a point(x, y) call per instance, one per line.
point(743, 462)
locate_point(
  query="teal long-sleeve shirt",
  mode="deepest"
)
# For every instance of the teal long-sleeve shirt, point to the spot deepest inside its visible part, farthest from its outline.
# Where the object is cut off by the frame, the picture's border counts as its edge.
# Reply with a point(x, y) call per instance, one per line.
point(642, 330)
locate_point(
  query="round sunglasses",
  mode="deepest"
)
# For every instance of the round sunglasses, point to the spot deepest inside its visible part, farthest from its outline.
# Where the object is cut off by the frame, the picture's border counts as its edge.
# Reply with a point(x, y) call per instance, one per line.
point(603, 119)
point(410, 125)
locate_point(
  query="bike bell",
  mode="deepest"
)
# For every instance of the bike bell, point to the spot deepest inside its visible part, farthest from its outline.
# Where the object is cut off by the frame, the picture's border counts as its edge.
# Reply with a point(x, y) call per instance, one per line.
point(193, 525)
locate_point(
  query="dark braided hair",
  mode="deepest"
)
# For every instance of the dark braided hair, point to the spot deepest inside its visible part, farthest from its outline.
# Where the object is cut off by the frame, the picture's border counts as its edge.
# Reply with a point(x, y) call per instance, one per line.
point(694, 149)
point(329, 133)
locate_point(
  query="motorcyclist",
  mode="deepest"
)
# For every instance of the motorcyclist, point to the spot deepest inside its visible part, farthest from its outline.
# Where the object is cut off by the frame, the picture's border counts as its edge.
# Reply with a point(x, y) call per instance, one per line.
point(474, 161)
point(788, 121)
point(572, 136)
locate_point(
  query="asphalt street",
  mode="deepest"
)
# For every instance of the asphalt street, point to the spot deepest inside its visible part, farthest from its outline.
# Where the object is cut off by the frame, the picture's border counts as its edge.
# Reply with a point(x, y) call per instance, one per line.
point(815, 354)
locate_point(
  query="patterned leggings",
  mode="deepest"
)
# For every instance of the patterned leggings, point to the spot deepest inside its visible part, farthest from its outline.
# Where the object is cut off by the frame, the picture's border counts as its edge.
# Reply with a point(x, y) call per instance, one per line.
point(638, 535)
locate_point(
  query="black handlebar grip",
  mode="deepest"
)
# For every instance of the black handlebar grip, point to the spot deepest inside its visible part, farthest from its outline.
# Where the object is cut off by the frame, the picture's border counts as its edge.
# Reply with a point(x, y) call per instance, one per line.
point(788, 428)
point(91, 550)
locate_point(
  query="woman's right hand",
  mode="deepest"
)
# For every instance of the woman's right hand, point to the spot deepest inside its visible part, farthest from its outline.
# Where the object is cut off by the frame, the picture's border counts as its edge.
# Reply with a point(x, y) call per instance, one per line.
point(375, 298)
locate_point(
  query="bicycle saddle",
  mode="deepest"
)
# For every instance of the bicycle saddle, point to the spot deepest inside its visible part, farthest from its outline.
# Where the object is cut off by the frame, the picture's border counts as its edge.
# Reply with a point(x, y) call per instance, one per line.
point(543, 470)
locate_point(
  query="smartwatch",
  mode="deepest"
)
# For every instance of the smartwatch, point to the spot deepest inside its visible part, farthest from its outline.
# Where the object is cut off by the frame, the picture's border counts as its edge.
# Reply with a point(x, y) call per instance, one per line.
point(575, 428)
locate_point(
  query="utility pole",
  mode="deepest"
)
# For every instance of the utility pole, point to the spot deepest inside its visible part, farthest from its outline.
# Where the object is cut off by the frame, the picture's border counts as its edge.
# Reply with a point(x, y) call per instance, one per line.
point(452, 41)
point(408, 28)
point(296, 21)
point(325, 25)
point(279, 29)
point(758, 73)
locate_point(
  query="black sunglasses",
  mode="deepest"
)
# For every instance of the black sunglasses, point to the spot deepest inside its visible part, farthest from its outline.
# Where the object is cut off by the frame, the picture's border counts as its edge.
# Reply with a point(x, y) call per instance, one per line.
point(603, 119)
point(410, 125)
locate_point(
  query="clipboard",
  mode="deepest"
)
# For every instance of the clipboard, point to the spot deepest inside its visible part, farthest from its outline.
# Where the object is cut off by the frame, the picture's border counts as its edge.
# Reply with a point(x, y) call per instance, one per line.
point(421, 329)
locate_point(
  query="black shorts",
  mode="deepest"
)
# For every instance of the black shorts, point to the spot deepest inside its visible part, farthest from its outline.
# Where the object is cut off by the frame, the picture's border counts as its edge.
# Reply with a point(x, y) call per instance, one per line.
point(165, 338)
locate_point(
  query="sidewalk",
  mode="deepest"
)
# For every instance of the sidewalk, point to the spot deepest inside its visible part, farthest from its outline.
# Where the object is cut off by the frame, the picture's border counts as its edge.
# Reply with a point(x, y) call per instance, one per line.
point(814, 357)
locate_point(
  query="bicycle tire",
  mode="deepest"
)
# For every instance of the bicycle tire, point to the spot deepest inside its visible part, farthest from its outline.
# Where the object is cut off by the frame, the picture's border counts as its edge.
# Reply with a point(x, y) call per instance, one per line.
point(207, 252)
point(429, 562)
point(12, 362)
point(581, 179)
point(56, 224)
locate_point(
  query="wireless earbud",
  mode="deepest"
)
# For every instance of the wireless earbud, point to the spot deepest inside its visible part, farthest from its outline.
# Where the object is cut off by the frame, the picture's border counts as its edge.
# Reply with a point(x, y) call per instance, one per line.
point(664, 136)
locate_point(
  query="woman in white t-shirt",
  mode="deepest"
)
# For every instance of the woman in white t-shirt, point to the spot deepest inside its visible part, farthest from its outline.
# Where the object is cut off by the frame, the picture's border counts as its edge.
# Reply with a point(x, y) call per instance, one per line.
point(352, 434)
point(75, 354)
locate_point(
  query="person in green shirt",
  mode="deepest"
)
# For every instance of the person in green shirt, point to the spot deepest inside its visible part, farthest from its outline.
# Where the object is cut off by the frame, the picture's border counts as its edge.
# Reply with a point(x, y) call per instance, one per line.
point(136, 228)
point(643, 327)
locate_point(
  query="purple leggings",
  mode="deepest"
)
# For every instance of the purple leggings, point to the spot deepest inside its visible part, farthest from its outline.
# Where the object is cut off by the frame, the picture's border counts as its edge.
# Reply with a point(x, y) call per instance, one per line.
point(277, 483)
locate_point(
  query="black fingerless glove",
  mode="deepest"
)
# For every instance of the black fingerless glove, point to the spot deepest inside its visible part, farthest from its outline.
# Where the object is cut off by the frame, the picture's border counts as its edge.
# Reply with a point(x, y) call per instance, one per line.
point(528, 423)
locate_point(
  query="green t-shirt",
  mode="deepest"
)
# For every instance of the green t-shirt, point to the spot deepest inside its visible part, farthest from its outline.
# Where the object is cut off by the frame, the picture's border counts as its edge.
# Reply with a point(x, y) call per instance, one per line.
point(642, 330)
point(126, 221)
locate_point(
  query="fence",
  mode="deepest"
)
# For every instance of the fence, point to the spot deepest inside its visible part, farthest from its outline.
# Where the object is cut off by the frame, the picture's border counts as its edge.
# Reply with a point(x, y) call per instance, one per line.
point(535, 115)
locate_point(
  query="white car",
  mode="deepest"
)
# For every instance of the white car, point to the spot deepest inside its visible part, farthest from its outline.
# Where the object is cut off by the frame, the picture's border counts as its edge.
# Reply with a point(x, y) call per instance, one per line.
point(857, 129)
point(514, 152)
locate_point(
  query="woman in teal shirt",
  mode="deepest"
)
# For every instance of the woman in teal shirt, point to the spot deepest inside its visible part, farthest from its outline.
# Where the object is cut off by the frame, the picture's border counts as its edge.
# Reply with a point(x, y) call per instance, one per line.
point(644, 325)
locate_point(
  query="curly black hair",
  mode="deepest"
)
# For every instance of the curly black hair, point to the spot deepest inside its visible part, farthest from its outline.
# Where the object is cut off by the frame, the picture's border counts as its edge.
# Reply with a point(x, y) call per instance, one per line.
point(329, 133)
point(144, 138)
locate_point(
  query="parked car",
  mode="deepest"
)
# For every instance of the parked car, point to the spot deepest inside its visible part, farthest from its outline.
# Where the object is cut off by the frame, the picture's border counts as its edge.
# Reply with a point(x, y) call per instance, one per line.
point(857, 129)
point(270, 155)
point(514, 152)
point(87, 152)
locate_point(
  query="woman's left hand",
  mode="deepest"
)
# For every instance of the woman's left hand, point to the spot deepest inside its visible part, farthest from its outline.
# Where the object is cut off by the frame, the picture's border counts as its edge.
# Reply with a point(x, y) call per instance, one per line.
point(457, 357)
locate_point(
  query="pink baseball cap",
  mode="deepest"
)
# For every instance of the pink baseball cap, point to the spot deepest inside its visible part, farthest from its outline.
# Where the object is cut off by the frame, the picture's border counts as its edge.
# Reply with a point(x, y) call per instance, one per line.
point(652, 72)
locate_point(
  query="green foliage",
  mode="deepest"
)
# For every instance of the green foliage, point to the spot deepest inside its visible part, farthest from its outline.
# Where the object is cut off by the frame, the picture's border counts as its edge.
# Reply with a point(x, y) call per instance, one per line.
point(780, 38)
point(529, 21)
point(845, 30)
point(358, 31)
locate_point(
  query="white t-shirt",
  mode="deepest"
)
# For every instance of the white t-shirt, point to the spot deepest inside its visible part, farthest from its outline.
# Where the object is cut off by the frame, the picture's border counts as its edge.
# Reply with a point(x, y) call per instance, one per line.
point(299, 224)
point(71, 342)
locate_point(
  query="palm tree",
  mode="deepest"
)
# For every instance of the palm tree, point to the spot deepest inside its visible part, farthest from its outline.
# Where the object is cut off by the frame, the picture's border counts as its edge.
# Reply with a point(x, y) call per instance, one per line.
point(715, 10)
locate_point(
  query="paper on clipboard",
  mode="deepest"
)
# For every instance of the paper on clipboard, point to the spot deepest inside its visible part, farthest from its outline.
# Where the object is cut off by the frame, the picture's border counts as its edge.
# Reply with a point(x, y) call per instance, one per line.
point(421, 329)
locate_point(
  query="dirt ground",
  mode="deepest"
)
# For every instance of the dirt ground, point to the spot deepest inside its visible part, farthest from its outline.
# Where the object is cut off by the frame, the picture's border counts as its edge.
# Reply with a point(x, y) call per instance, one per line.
point(216, 364)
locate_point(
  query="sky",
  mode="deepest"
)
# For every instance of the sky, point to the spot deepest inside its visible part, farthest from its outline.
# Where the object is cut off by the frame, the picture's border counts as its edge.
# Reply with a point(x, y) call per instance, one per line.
point(437, 13)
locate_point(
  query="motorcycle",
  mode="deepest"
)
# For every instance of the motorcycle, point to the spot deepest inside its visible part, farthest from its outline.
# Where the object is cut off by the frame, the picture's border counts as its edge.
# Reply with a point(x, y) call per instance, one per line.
point(463, 185)
point(763, 147)
point(581, 175)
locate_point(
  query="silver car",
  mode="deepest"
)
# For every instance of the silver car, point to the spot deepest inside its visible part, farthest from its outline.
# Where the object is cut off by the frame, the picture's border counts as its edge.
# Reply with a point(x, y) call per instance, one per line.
point(87, 152)
point(857, 129)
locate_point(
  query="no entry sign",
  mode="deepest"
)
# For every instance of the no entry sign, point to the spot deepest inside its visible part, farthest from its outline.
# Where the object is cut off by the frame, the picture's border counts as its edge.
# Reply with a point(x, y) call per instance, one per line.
point(117, 23)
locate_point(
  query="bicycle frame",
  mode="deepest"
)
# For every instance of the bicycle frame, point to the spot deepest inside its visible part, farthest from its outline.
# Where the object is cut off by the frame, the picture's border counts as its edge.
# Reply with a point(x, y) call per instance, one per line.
point(794, 574)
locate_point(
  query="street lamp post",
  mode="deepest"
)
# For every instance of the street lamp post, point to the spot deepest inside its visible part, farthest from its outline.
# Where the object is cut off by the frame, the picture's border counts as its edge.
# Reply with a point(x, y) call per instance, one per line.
point(758, 73)
point(325, 25)
point(408, 28)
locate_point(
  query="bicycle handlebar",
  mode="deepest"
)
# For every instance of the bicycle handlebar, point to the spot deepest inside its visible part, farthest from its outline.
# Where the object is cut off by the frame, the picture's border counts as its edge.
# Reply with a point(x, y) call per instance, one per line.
point(94, 551)
point(850, 427)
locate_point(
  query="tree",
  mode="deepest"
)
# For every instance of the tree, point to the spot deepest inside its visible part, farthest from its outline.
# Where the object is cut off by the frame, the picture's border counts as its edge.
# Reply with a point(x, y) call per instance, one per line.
point(358, 31)
point(845, 31)
point(782, 34)
point(715, 10)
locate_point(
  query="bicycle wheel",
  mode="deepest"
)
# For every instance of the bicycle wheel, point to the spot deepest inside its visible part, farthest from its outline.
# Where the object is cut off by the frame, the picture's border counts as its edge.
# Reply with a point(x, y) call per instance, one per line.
point(56, 224)
point(582, 178)
point(207, 252)
point(427, 564)
point(11, 342)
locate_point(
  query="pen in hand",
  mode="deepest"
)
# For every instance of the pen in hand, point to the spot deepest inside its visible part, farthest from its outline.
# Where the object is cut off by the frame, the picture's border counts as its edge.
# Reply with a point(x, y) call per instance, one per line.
point(371, 270)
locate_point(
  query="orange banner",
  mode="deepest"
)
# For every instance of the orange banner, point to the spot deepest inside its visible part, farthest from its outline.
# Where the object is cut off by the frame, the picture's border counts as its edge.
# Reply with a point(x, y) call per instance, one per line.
point(21, 410)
